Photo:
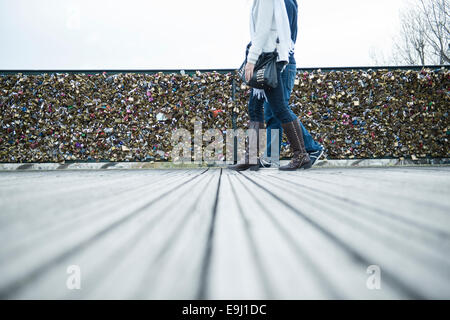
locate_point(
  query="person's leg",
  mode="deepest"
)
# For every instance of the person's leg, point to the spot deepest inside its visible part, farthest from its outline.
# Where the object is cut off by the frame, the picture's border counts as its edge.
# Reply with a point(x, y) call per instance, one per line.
point(310, 145)
point(272, 123)
point(276, 98)
point(256, 115)
point(290, 123)
point(255, 108)
point(289, 80)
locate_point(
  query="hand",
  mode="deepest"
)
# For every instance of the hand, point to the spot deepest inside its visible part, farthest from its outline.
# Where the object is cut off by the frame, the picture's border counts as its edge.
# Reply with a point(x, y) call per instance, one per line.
point(249, 67)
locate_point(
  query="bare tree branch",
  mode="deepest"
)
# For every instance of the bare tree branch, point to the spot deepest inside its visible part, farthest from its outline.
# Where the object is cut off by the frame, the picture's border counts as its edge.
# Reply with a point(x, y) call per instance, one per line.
point(436, 13)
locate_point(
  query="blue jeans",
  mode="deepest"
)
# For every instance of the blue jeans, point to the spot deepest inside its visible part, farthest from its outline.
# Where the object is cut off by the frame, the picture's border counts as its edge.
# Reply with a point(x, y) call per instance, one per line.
point(272, 122)
point(278, 104)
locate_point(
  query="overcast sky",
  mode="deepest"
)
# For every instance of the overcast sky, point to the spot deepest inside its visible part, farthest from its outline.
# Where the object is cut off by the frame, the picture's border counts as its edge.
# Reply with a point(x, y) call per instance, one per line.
point(182, 34)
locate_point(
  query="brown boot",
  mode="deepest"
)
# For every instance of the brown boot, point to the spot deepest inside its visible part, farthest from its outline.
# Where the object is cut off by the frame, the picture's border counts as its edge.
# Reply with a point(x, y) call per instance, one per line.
point(253, 125)
point(294, 134)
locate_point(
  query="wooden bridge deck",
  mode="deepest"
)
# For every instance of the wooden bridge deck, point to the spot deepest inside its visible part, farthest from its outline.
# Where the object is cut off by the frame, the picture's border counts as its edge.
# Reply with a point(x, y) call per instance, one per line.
point(217, 234)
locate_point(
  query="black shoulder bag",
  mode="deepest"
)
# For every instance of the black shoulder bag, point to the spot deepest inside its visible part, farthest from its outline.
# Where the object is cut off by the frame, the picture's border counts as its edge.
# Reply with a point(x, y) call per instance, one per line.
point(265, 72)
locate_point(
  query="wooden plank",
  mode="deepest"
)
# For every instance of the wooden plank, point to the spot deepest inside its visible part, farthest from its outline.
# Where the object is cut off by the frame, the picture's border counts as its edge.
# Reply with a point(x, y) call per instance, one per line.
point(426, 274)
point(383, 209)
point(406, 201)
point(301, 262)
point(58, 206)
point(20, 271)
point(236, 268)
point(218, 234)
point(166, 261)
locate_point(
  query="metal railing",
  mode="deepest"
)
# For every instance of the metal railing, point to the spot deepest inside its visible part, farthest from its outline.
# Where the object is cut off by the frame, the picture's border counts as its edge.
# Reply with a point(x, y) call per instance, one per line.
point(222, 71)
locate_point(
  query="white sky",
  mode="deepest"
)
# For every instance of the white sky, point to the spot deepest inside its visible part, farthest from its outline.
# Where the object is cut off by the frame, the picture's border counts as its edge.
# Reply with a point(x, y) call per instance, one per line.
point(182, 34)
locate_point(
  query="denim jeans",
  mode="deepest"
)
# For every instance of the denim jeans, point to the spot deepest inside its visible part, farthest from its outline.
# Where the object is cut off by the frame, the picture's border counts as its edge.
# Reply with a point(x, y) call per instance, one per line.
point(272, 122)
point(278, 104)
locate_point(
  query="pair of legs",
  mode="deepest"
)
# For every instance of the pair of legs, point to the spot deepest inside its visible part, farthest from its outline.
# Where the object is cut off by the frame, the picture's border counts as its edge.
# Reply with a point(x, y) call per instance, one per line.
point(276, 100)
point(279, 107)
point(272, 122)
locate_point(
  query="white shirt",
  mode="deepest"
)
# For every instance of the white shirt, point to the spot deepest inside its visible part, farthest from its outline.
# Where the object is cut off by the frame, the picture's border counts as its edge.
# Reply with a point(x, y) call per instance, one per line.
point(267, 16)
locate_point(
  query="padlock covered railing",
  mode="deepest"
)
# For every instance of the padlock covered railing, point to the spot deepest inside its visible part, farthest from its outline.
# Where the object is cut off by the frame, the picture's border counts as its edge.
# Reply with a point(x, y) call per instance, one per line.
point(129, 115)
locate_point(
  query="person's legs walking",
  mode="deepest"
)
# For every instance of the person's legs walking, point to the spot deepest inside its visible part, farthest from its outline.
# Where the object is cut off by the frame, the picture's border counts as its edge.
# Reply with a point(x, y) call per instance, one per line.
point(272, 123)
point(312, 147)
point(276, 97)
point(255, 112)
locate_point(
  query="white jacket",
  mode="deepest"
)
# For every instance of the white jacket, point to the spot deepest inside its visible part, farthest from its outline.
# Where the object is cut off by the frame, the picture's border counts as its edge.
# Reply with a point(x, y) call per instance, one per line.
point(266, 15)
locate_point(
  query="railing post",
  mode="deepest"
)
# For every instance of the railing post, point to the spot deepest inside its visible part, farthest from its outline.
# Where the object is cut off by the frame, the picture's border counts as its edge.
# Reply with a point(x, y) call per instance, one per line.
point(233, 118)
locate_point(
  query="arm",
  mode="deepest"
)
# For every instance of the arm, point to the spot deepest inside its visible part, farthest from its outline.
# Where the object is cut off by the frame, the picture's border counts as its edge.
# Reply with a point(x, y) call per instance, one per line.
point(294, 23)
point(262, 29)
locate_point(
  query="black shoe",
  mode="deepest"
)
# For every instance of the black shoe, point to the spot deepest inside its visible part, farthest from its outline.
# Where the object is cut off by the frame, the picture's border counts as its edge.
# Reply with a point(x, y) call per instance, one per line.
point(315, 156)
point(244, 167)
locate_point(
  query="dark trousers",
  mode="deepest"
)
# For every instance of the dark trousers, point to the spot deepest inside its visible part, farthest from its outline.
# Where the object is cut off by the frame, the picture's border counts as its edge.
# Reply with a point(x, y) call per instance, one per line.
point(276, 99)
point(287, 78)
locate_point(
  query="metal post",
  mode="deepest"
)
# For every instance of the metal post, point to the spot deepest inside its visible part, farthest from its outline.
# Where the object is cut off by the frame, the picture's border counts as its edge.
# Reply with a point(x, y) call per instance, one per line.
point(233, 118)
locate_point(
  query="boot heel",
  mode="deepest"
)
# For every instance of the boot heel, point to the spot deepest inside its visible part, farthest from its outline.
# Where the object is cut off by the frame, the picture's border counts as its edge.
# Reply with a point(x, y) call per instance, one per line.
point(254, 167)
point(306, 166)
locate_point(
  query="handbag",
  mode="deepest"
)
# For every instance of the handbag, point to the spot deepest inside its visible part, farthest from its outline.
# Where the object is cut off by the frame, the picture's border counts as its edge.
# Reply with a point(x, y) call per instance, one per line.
point(264, 73)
